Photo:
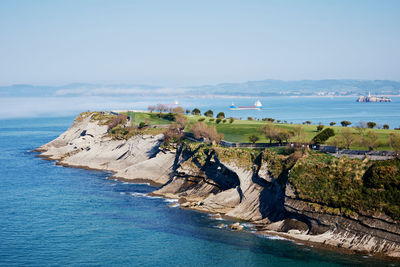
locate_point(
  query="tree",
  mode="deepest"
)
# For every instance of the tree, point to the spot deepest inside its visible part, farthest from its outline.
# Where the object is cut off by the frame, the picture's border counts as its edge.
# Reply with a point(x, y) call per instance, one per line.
point(345, 123)
point(394, 142)
point(218, 120)
point(231, 120)
point(202, 130)
point(209, 113)
point(221, 115)
point(299, 133)
point(370, 140)
point(282, 135)
point(181, 121)
point(268, 119)
point(371, 124)
point(348, 137)
point(253, 138)
point(161, 108)
point(177, 110)
point(187, 111)
point(323, 136)
point(307, 122)
point(361, 127)
point(269, 131)
point(249, 118)
point(151, 108)
point(332, 123)
point(320, 127)
point(173, 134)
point(224, 120)
point(196, 111)
point(386, 126)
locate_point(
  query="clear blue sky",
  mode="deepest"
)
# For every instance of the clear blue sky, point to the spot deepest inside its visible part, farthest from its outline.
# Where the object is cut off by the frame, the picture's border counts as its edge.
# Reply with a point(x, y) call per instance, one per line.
point(178, 43)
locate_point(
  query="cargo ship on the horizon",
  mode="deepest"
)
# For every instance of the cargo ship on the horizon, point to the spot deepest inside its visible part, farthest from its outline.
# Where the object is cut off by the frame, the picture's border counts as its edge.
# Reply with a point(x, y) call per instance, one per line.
point(257, 106)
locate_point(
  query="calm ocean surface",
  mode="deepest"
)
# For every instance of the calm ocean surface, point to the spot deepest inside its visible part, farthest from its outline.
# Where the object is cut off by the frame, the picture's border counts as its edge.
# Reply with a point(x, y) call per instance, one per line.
point(291, 109)
point(52, 215)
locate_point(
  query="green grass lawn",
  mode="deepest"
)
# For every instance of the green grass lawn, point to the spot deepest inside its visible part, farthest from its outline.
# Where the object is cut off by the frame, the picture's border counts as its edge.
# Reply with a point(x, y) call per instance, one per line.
point(240, 130)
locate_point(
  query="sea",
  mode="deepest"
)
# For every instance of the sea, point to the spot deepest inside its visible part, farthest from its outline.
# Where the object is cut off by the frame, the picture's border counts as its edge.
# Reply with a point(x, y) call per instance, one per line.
point(55, 216)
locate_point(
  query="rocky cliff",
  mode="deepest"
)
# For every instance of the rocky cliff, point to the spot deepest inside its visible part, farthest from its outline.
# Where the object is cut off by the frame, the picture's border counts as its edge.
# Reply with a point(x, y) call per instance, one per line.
point(256, 186)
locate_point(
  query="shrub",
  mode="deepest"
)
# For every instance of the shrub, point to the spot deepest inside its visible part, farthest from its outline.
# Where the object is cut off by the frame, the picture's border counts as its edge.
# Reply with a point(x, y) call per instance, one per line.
point(231, 120)
point(371, 124)
point(142, 125)
point(253, 138)
point(278, 121)
point(249, 118)
point(332, 123)
point(307, 122)
point(187, 111)
point(201, 119)
point(224, 120)
point(177, 110)
point(209, 113)
point(173, 134)
point(345, 123)
point(211, 119)
point(119, 119)
point(221, 115)
point(320, 127)
point(196, 111)
point(202, 130)
point(321, 137)
point(218, 120)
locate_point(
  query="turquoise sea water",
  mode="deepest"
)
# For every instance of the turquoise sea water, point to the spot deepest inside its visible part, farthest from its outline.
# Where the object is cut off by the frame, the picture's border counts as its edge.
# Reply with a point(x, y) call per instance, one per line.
point(52, 215)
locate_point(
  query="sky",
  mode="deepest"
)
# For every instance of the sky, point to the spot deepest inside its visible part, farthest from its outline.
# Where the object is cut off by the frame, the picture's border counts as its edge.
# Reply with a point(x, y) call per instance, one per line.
point(182, 43)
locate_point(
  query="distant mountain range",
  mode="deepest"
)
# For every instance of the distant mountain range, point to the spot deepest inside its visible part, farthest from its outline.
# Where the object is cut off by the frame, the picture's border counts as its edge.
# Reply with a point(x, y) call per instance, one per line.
point(250, 88)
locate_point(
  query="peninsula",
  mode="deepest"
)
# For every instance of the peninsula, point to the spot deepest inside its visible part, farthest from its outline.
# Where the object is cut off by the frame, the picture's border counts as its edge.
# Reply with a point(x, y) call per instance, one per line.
point(296, 193)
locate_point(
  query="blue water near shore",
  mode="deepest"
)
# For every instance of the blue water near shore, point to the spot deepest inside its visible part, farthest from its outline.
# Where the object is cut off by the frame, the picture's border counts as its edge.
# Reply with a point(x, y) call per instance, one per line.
point(52, 215)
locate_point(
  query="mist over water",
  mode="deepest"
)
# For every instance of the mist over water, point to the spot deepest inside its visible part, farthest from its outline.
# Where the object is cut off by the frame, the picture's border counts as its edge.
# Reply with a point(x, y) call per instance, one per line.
point(290, 109)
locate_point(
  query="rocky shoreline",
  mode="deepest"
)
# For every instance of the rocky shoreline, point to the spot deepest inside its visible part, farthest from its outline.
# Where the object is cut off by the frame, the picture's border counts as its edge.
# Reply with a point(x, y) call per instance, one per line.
point(212, 183)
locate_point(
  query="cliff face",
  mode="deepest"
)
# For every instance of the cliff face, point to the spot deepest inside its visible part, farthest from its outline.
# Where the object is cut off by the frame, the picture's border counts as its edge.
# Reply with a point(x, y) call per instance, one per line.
point(244, 184)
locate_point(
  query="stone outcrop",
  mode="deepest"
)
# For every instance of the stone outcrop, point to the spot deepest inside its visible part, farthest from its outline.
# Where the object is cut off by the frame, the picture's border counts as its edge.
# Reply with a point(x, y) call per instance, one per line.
point(231, 182)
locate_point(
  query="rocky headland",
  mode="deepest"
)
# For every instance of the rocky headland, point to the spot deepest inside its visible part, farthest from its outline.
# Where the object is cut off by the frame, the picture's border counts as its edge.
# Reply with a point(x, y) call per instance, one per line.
point(295, 194)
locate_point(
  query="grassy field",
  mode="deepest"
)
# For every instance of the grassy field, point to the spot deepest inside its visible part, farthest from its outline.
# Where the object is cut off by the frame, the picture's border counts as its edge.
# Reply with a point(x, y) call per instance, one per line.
point(240, 130)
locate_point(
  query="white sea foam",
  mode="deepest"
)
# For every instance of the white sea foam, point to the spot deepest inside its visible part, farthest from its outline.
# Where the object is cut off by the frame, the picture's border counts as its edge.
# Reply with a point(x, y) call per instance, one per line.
point(138, 194)
point(274, 237)
point(174, 205)
point(171, 200)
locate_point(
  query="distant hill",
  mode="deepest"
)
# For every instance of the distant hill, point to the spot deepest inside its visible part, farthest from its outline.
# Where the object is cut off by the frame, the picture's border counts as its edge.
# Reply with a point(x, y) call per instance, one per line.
point(250, 88)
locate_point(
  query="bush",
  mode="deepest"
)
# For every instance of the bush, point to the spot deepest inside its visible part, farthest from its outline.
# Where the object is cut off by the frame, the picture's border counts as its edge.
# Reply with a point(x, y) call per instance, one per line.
point(142, 125)
point(249, 118)
point(345, 123)
point(371, 124)
point(231, 120)
point(212, 119)
point(320, 127)
point(221, 115)
point(224, 120)
point(253, 138)
point(321, 137)
point(119, 119)
point(332, 123)
point(307, 122)
point(202, 130)
point(196, 111)
point(209, 113)
point(386, 126)
point(218, 120)
point(201, 119)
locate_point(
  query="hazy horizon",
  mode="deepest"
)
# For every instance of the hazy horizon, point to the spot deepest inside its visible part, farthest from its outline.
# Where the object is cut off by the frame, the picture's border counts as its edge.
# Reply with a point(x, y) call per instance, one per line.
point(185, 43)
